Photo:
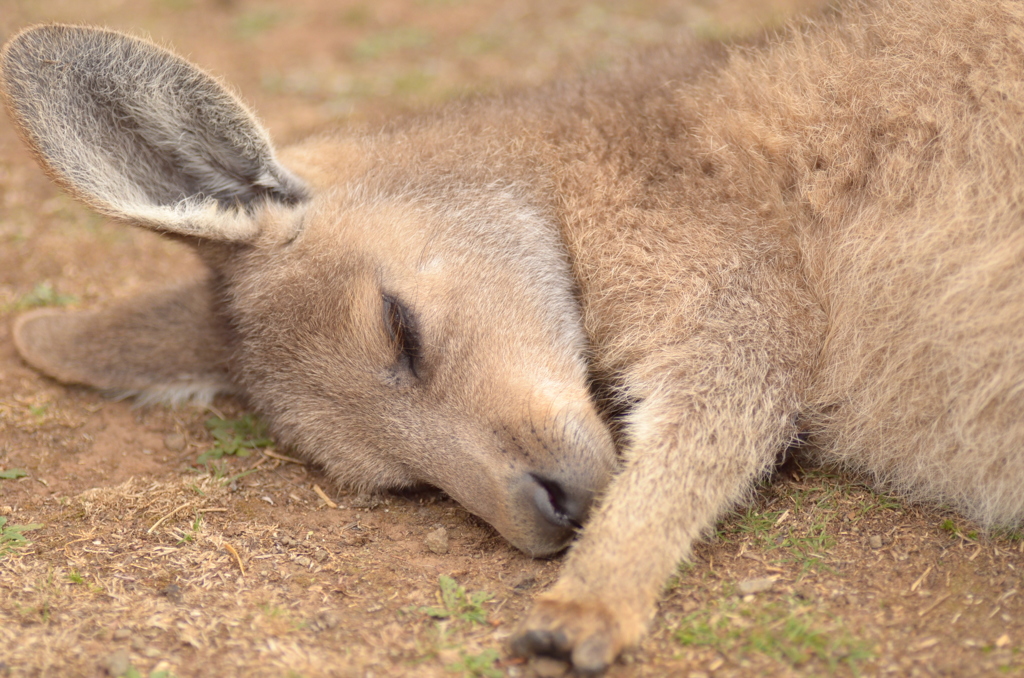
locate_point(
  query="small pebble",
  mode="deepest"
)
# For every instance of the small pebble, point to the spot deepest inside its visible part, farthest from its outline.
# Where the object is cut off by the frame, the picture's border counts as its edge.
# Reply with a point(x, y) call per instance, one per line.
point(749, 587)
point(437, 541)
point(175, 442)
point(122, 634)
point(875, 541)
point(118, 663)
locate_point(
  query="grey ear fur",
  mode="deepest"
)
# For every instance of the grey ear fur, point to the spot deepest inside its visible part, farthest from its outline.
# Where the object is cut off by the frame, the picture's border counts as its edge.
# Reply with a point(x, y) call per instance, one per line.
point(168, 346)
point(140, 134)
point(143, 136)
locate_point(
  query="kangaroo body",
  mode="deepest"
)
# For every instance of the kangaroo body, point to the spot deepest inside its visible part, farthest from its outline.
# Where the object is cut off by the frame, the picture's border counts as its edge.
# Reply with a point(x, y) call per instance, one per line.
point(721, 249)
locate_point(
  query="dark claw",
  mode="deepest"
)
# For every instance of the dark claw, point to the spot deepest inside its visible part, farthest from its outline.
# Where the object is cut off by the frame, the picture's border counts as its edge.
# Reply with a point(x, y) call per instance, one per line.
point(545, 643)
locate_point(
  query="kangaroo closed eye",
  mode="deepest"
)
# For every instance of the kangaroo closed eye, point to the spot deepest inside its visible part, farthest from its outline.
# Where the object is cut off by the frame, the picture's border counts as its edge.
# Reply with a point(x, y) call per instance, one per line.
point(404, 334)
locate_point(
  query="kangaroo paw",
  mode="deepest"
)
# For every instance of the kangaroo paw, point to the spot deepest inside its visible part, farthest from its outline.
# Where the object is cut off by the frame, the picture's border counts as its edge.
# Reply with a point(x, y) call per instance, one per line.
point(586, 633)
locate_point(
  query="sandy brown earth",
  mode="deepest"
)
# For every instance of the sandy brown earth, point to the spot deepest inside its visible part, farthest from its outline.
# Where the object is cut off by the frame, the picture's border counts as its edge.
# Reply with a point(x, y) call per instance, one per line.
point(144, 561)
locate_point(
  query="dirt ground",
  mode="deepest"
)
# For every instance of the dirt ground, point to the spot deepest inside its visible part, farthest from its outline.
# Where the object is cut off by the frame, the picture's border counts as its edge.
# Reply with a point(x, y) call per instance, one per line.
point(144, 561)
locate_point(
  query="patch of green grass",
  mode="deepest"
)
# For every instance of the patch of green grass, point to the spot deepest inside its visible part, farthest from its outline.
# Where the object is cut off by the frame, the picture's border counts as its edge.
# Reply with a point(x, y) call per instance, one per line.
point(477, 44)
point(796, 543)
point(189, 536)
point(478, 665)
point(253, 23)
point(788, 632)
point(34, 613)
point(412, 82)
point(878, 502)
point(43, 294)
point(219, 471)
point(388, 42)
point(1009, 534)
point(13, 536)
point(816, 496)
point(357, 15)
point(76, 578)
point(457, 604)
point(235, 437)
point(12, 473)
point(954, 531)
point(808, 548)
point(178, 5)
point(272, 611)
point(756, 525)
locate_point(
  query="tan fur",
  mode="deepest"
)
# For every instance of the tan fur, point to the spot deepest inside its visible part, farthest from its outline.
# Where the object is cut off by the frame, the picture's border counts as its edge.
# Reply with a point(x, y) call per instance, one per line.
point(822, 233)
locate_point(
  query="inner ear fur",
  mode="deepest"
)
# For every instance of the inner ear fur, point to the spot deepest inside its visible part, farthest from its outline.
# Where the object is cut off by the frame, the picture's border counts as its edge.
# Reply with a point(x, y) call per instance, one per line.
point(168, 346)
point(140, 133)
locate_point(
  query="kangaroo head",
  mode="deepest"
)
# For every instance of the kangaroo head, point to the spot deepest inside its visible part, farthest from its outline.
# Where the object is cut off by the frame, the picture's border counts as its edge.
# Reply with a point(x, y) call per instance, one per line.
point(397, 327)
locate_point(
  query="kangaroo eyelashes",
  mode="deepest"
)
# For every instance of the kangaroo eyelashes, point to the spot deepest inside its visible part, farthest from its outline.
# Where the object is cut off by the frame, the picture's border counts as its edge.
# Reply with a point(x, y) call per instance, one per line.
point(401, 327)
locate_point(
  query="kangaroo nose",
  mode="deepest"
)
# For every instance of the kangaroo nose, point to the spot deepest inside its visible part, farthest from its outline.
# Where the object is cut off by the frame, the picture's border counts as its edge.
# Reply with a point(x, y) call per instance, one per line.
point(547, 510)
point(559, 507)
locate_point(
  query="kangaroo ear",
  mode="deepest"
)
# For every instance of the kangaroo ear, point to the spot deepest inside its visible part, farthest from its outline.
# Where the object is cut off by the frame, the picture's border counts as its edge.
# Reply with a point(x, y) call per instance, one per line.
point(141, 134)
point(169, 346)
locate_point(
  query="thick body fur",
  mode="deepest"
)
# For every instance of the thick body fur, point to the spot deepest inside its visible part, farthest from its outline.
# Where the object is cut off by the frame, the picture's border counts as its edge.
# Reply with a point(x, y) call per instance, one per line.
point(820, 235)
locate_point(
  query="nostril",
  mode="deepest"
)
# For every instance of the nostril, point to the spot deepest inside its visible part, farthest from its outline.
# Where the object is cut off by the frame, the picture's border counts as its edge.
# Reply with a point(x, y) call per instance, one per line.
point(556, 505)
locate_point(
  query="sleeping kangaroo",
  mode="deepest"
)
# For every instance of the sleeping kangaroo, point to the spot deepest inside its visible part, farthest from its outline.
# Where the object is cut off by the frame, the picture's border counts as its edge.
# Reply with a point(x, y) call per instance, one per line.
point(710, 251)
